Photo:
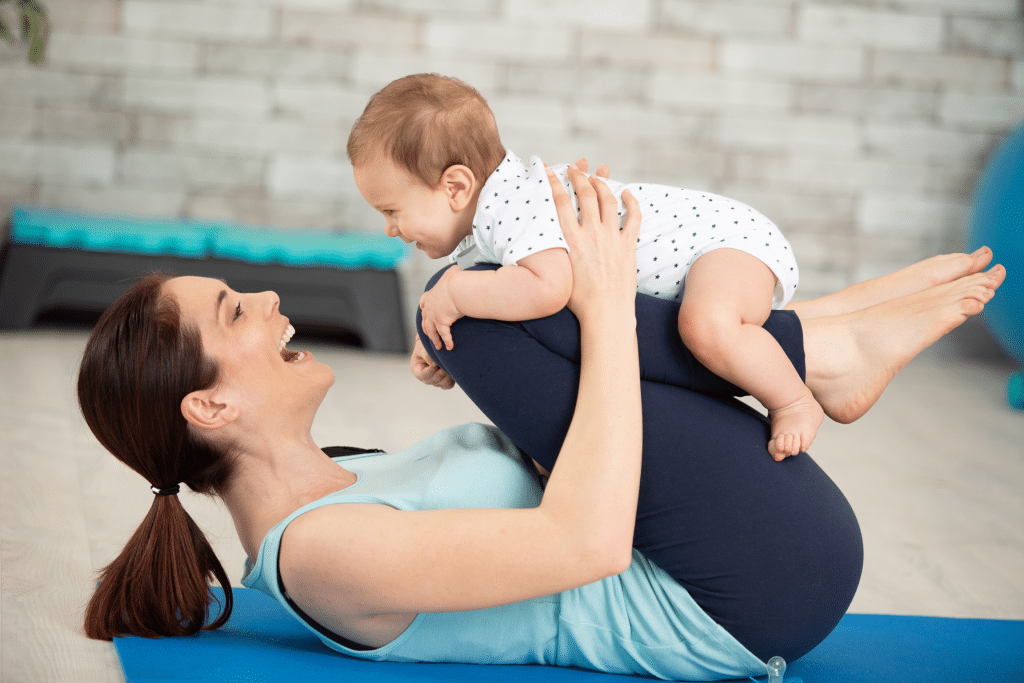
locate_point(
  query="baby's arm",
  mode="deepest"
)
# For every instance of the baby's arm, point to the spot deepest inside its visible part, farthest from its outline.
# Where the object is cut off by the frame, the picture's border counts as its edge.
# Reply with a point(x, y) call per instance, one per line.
point(538, 286)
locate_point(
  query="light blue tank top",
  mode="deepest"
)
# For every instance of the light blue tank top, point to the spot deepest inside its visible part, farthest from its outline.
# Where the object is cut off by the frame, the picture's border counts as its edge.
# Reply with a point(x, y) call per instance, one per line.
point(639, 622)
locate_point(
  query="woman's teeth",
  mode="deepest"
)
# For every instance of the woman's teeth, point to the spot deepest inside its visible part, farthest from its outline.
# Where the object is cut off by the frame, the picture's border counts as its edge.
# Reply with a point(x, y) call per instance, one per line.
point(286, 337)
point(287, 354)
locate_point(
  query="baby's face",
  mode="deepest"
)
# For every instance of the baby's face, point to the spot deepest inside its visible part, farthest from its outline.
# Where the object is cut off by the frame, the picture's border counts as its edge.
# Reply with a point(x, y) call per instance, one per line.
point(413, 211)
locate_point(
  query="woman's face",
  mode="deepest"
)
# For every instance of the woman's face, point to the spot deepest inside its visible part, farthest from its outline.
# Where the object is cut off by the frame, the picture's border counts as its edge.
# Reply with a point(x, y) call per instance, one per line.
point(245, 335)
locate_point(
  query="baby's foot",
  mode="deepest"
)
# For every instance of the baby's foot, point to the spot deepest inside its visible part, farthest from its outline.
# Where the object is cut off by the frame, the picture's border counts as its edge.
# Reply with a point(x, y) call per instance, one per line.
point(794, 426)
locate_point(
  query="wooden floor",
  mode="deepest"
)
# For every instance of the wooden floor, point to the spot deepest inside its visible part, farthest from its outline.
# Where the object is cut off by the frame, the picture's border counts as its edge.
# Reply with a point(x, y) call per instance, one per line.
point(935, 473)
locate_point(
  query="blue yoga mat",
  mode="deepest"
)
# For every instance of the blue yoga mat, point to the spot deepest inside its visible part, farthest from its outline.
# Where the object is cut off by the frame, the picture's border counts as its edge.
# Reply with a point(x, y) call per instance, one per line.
point(262, 643)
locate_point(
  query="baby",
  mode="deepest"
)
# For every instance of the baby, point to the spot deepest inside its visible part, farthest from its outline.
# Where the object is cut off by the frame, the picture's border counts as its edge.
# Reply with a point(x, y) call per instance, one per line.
point(426, 154)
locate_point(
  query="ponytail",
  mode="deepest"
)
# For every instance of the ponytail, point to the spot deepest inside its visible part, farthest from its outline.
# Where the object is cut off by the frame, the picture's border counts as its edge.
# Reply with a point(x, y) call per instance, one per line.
point(139, 363)
point(158, 585)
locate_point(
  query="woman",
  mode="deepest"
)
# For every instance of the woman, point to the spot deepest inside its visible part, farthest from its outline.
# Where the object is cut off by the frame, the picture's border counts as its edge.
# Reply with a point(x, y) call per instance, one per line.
point(451, 551)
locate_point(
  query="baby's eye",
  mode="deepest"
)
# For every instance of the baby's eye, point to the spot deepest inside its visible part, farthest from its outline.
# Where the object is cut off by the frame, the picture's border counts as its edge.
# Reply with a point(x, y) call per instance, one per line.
point(387, 212)
point(238, 311)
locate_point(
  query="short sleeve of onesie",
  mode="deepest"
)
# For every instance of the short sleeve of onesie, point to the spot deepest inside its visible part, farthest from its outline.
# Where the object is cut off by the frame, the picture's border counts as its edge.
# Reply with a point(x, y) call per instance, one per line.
point(515, 214)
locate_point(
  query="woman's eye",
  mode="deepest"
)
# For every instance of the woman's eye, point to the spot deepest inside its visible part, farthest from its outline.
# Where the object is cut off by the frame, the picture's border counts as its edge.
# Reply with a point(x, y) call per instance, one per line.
point(238, 311)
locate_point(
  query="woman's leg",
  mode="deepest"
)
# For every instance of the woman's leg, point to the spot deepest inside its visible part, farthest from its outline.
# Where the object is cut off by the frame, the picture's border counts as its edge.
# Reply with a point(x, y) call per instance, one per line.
point(771, 551)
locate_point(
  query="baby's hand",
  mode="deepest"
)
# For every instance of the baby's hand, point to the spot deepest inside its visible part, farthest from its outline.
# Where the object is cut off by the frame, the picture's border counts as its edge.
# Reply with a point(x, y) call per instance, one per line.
point(439, 311)
point(426, 370)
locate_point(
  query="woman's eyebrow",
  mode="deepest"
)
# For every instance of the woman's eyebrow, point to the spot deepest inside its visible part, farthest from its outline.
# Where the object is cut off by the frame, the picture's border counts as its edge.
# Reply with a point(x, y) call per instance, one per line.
point(220, 300)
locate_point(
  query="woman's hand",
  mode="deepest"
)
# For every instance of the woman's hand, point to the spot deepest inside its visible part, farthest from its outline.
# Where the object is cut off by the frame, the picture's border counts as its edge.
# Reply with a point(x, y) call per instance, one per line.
point(426, 370)
point(603, 257)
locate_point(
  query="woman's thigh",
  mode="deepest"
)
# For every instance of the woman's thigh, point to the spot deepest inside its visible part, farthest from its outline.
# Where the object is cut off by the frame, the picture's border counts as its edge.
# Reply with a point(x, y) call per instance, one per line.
point(771, 551)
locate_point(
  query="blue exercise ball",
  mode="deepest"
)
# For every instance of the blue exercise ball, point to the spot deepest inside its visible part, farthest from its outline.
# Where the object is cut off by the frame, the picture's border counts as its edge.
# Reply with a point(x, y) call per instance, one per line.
point(997, 220)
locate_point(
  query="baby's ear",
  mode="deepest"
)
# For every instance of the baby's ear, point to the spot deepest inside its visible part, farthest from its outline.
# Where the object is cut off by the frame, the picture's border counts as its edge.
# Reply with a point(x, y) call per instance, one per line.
point(459, 184)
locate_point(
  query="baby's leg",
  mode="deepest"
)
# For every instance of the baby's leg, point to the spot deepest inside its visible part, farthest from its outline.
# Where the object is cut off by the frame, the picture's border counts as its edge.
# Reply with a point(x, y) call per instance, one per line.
point(727, 298)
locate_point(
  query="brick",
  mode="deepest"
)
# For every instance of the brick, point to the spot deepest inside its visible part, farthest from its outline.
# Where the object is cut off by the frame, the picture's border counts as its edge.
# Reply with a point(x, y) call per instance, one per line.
point(460, 9)
point(86, 16)
point(810, 171)
point(991, 8)
point(792, 61)
point(868, 103)
point(377, 70)
point(140, 167)
point(248, 96)
point(323, 100)
point(631, 15)
point(610, 82)
point(497, 40)
point(247, 206)
point(282, 61)
point(993, 37)
point(928, 71)
point(306, 176)
point(856, 26)
point(884, 213)
point(226, 134)
point(716, 93)
point(23, 84)
point(817, 251)
point(348, 30)
point(129, 201)
point(83, 125)
point(252, 208)
point(17, 122)
point(981, 110)
point(633, 121)
point(929, 144)
point(538, 115)
point(156, 129)
point(735, 18)
point(197, 20)
point(16, 192)
point(120, 54)
point(784, 133)
point(59, 162)
point(697, 168)
point(657, 49)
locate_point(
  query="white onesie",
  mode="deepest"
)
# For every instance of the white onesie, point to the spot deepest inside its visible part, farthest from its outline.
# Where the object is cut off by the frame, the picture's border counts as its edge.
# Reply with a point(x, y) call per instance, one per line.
point(515, 217)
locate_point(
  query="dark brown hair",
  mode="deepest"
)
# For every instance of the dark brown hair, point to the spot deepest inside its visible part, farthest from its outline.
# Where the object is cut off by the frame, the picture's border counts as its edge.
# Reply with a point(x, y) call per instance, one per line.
point(426, 123)
point(139, 363)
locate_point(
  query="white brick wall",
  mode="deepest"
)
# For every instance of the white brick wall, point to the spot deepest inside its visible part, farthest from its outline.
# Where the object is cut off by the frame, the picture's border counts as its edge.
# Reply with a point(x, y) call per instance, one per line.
point(860, 126)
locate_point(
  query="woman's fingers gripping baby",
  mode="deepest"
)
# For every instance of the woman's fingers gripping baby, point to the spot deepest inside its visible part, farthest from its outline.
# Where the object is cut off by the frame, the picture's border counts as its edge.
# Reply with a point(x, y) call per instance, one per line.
point(602, 255)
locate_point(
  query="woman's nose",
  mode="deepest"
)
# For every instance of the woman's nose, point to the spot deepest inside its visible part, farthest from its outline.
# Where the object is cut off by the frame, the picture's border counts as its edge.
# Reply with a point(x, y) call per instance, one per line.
point(271, 302)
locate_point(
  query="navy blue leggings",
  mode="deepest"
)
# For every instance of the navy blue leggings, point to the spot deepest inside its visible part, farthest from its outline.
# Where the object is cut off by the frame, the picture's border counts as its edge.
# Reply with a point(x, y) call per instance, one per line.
point(771, 551)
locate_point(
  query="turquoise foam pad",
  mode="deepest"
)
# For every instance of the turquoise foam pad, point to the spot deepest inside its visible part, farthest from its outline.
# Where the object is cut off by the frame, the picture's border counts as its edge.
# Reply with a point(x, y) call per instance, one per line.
point(198, 239)
point(262, 643)
point(96, 232)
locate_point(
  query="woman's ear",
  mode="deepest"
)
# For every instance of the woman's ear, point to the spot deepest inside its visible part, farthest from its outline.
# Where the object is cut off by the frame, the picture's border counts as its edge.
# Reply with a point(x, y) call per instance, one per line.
point(459, 184)
point(202, 410)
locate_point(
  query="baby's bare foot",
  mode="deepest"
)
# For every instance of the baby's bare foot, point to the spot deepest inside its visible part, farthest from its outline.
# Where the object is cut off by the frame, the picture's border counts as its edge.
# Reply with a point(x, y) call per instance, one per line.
point(794, 426)
point(915, 278)
point(852, 358)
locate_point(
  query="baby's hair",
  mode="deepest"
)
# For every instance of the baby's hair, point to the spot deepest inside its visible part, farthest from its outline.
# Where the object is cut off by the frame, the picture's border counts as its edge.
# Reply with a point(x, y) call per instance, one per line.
point(427, 123)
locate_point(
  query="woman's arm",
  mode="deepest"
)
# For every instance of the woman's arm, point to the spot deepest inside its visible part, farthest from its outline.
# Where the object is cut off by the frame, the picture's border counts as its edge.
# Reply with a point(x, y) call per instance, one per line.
point(364, 561)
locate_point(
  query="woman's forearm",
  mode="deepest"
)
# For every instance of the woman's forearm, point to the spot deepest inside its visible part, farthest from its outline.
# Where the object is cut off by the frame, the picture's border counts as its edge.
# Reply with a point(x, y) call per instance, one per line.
point(593, 487)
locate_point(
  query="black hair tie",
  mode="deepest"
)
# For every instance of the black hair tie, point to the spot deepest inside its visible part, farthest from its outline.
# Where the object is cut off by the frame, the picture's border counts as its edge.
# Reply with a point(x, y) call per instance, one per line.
point(173, 491)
